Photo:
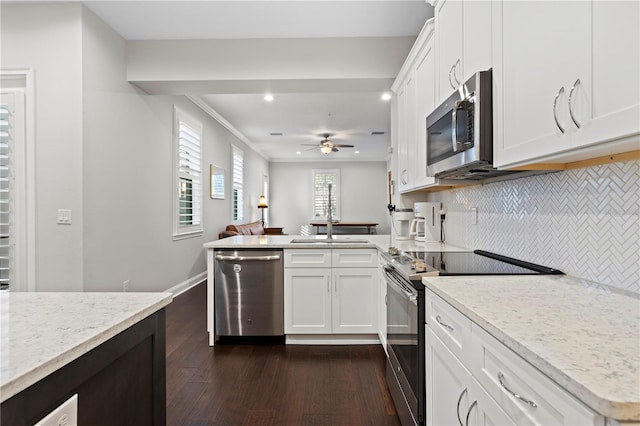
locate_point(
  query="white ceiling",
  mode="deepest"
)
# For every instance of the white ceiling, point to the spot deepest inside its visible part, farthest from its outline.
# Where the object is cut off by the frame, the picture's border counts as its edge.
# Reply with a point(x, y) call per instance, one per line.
point(300, 117)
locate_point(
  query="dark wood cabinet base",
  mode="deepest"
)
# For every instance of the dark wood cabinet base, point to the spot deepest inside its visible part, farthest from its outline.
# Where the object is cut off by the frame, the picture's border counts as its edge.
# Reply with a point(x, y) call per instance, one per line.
point(122, 381)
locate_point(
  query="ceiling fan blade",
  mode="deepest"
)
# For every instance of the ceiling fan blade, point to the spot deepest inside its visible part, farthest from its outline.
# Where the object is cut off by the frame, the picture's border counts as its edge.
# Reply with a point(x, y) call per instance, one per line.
point(343, 146)
point(334, 149)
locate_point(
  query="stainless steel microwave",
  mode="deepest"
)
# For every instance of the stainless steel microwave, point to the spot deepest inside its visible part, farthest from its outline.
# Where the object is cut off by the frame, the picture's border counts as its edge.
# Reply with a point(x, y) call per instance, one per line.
point(460, 133)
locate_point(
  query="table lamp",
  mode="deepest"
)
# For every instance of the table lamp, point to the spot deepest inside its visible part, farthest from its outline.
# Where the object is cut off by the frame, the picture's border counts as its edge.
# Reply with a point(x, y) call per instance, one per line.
point(262, 204)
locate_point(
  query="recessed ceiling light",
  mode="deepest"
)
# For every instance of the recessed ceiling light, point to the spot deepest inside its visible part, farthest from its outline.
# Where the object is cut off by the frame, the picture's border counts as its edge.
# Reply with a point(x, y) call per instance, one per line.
point(268, 97)
point(386, 96)
point(298, 152)
point(357, 152)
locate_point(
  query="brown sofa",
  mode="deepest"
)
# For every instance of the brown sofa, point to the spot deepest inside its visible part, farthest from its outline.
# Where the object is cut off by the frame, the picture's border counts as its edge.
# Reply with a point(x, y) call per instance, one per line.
point(253, 228)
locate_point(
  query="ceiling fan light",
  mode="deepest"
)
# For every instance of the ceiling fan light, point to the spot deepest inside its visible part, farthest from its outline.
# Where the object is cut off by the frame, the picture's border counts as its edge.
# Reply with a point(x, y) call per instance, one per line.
point(325, 149)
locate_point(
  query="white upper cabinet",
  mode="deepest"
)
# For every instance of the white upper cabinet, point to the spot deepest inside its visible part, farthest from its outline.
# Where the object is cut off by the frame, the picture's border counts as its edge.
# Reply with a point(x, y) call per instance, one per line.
point(415, 99)
point(463, 33)
point(565, 77)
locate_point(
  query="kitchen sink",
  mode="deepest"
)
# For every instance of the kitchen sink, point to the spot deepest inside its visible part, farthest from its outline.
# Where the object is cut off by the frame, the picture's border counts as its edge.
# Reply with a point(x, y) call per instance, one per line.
point(329, 240)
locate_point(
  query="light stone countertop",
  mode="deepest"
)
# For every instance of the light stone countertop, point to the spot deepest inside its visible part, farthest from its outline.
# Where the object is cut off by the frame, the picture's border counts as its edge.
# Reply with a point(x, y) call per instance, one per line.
point(380, 241)
point(584, 336)
point(42, 332)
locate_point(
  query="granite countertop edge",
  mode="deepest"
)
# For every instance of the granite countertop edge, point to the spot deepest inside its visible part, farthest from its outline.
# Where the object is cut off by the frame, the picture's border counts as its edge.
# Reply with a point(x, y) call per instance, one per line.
point(616, 409)
point(20, 382)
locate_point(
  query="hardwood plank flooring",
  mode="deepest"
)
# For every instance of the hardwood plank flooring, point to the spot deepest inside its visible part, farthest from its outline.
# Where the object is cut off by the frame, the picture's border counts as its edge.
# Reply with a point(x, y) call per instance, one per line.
point(240, 382)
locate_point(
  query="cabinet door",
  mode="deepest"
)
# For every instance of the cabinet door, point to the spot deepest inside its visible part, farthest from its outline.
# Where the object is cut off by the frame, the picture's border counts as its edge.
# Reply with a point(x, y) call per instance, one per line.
point(307, 301)
point(476, 45)
point(616, 73)
point(382, 308)
point(424, 75)
point(449, 38)
point(447, 390)
point(403, 155)
point(544, 47)
point(355, 301)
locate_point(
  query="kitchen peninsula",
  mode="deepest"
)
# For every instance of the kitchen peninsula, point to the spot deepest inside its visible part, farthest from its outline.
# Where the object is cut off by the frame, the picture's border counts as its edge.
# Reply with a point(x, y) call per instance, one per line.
point(108, 348)
point(569, 345)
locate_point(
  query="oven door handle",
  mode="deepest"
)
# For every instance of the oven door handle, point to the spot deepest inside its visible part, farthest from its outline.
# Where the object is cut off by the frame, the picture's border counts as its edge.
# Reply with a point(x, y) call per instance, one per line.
point(397, 286)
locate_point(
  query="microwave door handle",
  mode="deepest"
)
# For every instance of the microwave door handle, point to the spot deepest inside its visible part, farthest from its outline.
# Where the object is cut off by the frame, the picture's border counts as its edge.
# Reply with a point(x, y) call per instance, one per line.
point(454, 126)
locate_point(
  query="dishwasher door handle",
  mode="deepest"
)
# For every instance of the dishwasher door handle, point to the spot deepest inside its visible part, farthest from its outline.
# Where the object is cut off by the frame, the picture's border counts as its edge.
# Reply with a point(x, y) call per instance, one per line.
point(241, 258)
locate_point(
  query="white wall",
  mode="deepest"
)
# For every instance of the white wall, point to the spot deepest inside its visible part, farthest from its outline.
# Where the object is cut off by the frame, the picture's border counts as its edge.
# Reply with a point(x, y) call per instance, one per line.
point(47, 39)
point(104, 149)
point(363, 193)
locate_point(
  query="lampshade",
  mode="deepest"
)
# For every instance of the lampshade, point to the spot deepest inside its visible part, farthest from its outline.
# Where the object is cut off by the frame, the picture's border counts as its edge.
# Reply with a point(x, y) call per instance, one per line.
point(262, 204)
point(325, 149)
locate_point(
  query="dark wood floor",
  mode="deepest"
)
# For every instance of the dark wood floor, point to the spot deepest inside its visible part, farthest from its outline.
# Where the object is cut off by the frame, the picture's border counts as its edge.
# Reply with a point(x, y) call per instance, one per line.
point(239, 383)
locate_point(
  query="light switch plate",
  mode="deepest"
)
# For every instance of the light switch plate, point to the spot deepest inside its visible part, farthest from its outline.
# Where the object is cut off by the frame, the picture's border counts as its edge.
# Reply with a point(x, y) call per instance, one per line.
point(474, 215)
point(64, 216)
point(65, 415)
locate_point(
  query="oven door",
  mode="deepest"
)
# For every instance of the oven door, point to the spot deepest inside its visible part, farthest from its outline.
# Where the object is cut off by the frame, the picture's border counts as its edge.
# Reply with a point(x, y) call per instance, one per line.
point(403, 347)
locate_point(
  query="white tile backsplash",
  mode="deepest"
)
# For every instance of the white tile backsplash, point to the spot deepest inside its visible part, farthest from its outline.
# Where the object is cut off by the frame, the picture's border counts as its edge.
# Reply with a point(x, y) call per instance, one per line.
point(585, 222)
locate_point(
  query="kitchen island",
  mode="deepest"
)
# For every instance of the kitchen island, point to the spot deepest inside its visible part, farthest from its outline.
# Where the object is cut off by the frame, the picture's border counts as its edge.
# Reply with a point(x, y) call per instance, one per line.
point(108, 348)
point(582, 336)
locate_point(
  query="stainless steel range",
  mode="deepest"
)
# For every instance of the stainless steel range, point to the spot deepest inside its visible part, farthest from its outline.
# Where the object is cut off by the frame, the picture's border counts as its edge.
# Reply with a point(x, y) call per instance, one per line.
point(406, 314)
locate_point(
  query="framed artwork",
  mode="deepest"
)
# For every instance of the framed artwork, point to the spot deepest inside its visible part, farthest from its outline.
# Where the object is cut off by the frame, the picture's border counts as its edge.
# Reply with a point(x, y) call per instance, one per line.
point(217, 182)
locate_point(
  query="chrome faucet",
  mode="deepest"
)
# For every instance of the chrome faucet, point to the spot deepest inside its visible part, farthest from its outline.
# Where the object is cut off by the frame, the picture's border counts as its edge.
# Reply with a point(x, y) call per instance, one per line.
point(329, 218)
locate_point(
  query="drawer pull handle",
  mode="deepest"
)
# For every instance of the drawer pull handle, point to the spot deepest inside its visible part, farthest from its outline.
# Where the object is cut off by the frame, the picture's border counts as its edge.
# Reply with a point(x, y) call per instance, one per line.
point(515, 395)
point(466, 423)
point(458, 405)
point(445, 325)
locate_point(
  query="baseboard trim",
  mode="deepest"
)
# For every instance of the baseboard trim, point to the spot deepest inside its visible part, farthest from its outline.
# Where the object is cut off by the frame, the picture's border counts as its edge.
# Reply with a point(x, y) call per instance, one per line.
point(332, 339)
point(180, 288)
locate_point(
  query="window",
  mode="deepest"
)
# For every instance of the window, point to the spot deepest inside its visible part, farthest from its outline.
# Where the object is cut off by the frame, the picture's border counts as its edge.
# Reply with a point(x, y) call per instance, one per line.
point(238, 160)
point(188, 169)
point(321, 180)
point(7, 192)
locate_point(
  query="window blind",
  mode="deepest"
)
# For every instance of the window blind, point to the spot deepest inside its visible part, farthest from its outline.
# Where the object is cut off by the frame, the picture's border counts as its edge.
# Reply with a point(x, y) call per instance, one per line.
point(188, 176)
point(321, 181)
point(238, 200)
point(6, 196)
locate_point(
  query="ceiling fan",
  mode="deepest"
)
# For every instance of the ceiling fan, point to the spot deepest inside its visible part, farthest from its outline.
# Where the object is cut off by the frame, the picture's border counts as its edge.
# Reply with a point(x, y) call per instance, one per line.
point(326, 145)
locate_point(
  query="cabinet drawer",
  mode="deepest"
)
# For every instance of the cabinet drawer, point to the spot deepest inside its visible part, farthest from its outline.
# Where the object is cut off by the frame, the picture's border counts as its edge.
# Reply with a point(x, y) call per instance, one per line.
point(307, 258)
point(453, 328)
point(503, 373)
point(354, 258)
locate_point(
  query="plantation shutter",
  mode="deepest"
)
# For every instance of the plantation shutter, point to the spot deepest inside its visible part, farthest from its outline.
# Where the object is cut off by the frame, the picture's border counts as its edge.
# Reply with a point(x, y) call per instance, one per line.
point(238, 199)
point(6, 194)
point(321, 181)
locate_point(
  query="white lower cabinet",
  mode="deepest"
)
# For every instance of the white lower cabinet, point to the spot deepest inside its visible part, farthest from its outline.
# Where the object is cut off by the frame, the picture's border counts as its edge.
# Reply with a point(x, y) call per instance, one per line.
point(331, 300)
point(453, 395)
point(483, 382)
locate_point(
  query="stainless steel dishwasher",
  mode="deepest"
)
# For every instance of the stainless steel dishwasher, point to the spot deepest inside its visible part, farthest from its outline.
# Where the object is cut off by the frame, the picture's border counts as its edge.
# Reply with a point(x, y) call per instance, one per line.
point(249, 293)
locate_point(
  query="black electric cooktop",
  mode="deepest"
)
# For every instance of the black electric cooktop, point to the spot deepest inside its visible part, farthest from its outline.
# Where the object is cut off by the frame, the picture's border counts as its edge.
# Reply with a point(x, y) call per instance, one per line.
point(478, 262)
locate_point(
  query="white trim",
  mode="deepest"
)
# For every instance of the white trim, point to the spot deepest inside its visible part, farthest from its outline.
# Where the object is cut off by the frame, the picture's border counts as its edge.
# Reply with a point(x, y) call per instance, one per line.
point(180, 288)
point(197, 100)
point(332, 339)
point(29, 266)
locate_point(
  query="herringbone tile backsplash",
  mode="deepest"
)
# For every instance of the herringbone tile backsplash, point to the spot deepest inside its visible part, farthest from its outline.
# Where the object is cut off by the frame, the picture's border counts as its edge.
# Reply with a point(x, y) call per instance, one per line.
point(585, 222)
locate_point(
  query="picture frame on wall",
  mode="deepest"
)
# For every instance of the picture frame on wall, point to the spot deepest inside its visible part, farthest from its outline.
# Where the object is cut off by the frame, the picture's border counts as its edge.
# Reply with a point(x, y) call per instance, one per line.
point(216, 180)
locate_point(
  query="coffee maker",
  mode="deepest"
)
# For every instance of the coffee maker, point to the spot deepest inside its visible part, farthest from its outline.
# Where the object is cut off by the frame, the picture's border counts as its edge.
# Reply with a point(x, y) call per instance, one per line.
point(425, 225)
point(402, 221)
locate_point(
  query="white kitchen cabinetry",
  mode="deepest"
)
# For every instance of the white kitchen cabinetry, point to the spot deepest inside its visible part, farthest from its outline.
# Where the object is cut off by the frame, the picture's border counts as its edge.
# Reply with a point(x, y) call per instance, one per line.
point(566, 78)
point(463, 34)
point(472, 378)
point(414, 100)
point(382, 302)
point(453, 395)
point(339, 297)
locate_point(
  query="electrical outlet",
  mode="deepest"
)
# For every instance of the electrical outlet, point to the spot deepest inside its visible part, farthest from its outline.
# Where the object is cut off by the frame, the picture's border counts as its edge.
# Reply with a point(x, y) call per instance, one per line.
point(125, 285)
point(65, 415)
point(474, 215)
